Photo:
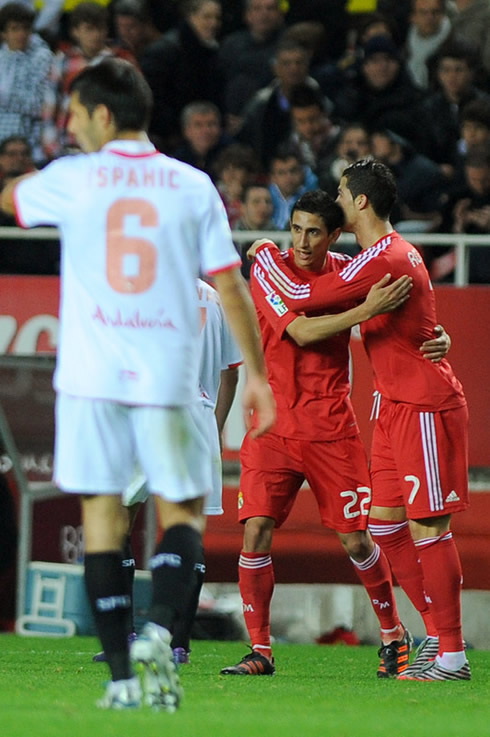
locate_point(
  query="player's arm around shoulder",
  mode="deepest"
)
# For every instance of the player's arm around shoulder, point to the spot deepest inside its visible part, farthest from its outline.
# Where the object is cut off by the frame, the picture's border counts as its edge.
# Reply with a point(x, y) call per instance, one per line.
point(382, 297)
point(258, 401)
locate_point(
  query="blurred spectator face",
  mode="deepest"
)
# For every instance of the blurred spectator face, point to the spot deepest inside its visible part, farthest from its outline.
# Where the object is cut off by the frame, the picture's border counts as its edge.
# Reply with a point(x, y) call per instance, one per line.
point(130, 30)
point(91, 39)
point(206, 20)
point(354, 144)
point(16, 157)
point(203, 131)
point(474, 132)
point(427, 16)
point(291, 67)
point(454, 76)
point(381, 147)
point(288, 175)
point(16, 35)
point(234, 178)
point(478, 179)
point(309, 121)
point(263, 17)
point(257, 209)
point(380, 70)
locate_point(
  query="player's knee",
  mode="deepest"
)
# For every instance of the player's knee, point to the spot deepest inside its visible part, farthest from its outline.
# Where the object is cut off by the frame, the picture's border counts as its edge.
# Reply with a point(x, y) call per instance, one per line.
point(257, 537)
point(358, 545)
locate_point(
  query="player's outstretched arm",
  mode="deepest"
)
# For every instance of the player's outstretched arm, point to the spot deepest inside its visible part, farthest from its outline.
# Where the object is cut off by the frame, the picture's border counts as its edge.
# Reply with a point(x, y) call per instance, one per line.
point(7, 201)
point(437, 348)
point(382, 297)
point(258, 402)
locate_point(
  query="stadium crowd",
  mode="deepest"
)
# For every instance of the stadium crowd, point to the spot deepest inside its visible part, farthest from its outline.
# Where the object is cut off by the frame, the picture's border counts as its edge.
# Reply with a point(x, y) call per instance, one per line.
point(276, 93)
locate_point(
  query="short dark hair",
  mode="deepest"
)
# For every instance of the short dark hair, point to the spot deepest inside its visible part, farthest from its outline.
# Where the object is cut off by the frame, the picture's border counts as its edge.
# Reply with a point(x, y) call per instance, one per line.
point(461, 50)
point(121, 87)
point(252, 185)
point(14, 139)
point(89, 12)
point(284, 152)
point(376, 181)
point(477, 111)
point(16, 13)
point(317, 202)
point(138, 9)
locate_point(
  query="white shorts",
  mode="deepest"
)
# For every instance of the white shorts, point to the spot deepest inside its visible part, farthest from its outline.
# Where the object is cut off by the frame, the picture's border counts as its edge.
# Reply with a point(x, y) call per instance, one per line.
point(99, 443)
point(137, 491)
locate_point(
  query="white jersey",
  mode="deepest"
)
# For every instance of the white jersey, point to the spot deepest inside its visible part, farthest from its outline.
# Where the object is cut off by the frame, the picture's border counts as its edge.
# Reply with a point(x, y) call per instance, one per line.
point(218, 350)
point(137, 228)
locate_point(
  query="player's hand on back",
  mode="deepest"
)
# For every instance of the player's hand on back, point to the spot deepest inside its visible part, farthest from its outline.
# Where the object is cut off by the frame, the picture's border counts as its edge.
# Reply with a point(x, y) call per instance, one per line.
point(259, 406)
point(256, 244)
point(437, 348)
point(386, 297)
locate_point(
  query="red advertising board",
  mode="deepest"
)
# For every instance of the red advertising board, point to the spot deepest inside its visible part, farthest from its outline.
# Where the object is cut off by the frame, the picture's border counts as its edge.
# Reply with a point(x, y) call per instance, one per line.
point(28, 323)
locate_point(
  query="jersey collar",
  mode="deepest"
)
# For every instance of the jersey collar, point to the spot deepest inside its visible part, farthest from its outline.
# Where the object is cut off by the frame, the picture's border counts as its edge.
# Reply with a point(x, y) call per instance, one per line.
point(130, 148)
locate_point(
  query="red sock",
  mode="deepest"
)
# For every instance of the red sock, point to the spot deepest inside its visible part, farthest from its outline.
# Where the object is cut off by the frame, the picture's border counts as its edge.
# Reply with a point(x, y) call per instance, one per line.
point(375, 575)
point(256, 582)
point(396, 542)
point(443, 578)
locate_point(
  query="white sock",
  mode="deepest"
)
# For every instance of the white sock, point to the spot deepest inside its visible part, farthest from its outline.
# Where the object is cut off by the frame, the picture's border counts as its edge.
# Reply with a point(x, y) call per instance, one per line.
point(452, 661)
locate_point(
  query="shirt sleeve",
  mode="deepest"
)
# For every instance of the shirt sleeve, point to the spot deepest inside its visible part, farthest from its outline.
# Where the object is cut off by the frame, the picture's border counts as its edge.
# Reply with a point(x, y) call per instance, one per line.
point(352, 282)
point(269, 301)
point(218, 252)
point(43, 198)
point(231, 356)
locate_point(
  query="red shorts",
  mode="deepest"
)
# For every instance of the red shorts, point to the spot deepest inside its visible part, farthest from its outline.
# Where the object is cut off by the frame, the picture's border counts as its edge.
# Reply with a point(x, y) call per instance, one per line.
point(274, 468)
point(419, 460)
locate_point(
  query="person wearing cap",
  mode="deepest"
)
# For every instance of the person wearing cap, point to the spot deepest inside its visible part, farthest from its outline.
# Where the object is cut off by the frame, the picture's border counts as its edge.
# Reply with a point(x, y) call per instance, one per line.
point(383, 93)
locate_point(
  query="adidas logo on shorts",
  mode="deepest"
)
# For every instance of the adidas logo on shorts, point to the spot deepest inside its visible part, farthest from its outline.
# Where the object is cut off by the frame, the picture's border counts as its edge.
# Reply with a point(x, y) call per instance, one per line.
point(452, 497)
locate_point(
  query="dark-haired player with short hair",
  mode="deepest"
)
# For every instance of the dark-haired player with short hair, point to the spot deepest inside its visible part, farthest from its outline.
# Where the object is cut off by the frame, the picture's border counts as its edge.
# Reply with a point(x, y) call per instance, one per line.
point(315, 438)
point(419, 458)
point(136, 229)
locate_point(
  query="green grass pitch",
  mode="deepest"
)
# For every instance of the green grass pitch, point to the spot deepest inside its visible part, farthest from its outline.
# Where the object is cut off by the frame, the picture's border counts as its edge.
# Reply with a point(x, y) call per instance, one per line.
point(48, 688)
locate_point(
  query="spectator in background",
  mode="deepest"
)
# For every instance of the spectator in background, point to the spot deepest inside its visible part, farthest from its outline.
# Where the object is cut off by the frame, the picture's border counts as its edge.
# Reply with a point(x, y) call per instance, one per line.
point(267, 118)
point(89, 28)
point(383, 94)
point(333, 76)
point(27, 83)
point(455, 70)
point(246, 56)
point(471, 24)
point(352, 144)
point(183, 67)
point(421, 185)
point(332, 15)
point(134, 25)
point(430, 26)
point(203, 136)
point(313, 131)
point(256, 210)
point(289, 179)
point(15, 157)
point(235, 167)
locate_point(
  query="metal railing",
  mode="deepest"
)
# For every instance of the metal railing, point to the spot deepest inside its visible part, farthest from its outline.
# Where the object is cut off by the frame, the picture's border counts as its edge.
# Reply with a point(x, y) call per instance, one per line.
point(461, 243)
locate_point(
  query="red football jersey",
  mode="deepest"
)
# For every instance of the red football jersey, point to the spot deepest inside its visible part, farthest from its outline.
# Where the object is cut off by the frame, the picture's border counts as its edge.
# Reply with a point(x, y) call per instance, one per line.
point(311, 383)
point(392, 340)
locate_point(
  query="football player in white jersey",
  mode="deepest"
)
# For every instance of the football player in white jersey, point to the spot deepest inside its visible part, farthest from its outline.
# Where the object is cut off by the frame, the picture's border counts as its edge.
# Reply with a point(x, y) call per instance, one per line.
point(219, 359)
point(136, 229)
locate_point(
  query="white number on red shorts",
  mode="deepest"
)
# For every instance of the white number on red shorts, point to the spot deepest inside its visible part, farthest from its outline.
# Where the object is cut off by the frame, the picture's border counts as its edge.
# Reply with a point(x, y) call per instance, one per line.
point(416, 486)
point(349, 508)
